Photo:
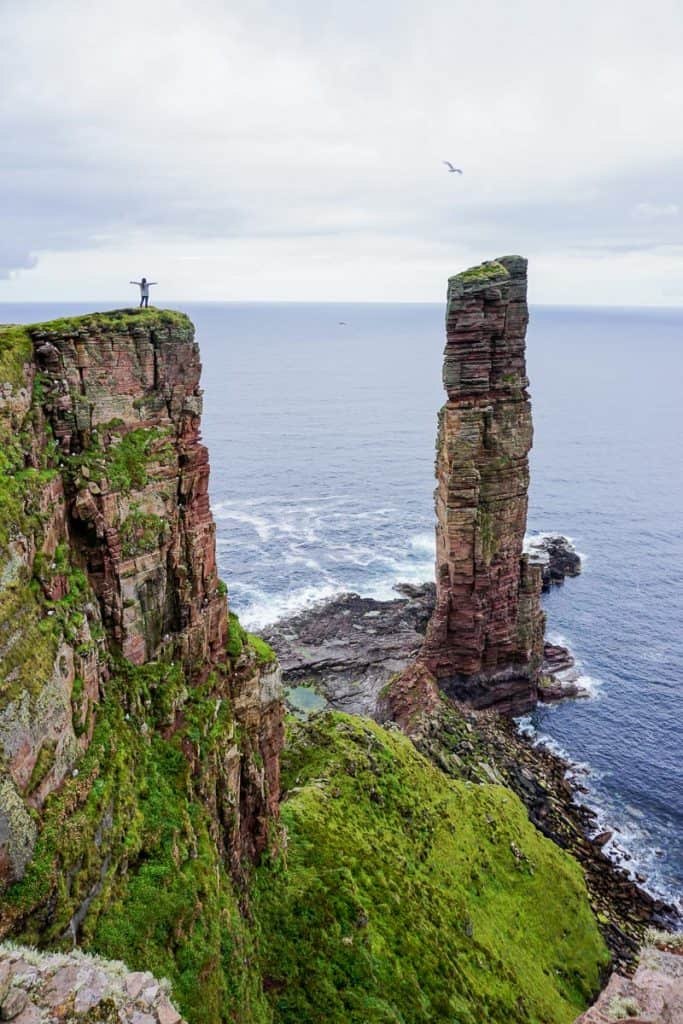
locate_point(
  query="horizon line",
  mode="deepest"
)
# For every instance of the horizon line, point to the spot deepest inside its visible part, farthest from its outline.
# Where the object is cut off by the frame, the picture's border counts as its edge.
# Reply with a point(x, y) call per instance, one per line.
point(112, 303)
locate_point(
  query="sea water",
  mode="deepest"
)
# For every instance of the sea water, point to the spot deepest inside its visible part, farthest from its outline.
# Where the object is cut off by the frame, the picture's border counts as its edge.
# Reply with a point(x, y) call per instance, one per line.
point(321, 422)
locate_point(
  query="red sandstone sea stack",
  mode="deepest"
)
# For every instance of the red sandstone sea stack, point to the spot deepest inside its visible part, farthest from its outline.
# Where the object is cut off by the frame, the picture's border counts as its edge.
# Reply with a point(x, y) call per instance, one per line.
point(485, 638)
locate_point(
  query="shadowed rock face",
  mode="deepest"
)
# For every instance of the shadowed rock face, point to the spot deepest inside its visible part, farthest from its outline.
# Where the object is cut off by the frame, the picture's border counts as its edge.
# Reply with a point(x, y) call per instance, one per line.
point(485, 639)
point(107, 552)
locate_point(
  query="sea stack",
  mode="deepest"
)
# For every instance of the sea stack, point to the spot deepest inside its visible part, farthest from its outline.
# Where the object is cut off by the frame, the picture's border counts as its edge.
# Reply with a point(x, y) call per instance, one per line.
point(485, 638)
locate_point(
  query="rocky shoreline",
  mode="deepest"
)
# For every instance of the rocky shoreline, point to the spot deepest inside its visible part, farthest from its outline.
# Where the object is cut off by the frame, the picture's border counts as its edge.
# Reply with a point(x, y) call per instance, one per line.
point(350, 647)
point(354, 652)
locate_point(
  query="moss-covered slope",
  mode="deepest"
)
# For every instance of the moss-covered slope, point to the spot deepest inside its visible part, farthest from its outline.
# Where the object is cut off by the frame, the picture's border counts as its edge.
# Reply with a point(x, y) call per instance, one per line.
point(407, 897)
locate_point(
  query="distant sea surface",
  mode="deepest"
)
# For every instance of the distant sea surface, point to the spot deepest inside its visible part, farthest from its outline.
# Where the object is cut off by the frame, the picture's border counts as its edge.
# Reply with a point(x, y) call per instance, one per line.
point(321, 422)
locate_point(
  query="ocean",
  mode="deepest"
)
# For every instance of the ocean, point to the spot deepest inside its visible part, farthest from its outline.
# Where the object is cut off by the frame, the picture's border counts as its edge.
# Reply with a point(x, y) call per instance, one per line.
point(321, 422)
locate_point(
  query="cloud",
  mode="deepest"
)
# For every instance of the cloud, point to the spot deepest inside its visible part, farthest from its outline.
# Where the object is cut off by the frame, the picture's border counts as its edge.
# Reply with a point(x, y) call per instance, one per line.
point(320, 130)
point(654, 211)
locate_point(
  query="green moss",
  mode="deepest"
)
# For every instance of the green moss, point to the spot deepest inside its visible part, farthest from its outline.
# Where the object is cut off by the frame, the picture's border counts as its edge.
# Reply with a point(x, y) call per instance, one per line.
point(113, 320)
point(44, 763)
point(237, 637)
point(263, 651)
point(141, 532)
point(129, 835)
point(486, 272)
point(16, 350)
point(124, 462)
point(486, 534)
point(404, 896)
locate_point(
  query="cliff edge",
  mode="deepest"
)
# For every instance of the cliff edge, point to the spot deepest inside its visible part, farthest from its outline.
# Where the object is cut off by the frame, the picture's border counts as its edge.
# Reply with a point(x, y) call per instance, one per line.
point(140, 725)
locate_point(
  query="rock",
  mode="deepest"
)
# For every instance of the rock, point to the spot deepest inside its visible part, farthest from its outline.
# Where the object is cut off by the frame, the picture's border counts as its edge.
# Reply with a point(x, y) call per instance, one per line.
point(136, 981)
point(167, 1013)
point(654, 995)
point(556, 556)
point(349, 647)
point(76, 987)
point(556, 658)
point(29, 1015)
point(13, 1003)
point(484, 640)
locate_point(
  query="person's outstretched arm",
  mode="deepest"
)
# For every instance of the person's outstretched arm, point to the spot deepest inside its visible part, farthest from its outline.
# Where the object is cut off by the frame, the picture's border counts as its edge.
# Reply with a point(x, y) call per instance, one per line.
point(135, 282)
point(152, 282)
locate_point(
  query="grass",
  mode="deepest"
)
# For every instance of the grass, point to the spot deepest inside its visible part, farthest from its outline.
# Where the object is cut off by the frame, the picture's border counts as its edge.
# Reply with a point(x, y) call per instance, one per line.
point(406, 897)
point(113, 320)
point(16, 350)
point(486, 272)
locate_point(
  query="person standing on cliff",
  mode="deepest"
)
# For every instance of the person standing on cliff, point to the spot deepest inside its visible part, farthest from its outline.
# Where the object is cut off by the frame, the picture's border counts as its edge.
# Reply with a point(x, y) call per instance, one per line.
point(144, 286)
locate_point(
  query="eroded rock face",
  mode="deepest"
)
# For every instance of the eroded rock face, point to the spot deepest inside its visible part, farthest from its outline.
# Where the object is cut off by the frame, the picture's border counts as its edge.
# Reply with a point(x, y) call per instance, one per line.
point(107, 551)
point(484, 641)
point(53, 988)
point(123, 399)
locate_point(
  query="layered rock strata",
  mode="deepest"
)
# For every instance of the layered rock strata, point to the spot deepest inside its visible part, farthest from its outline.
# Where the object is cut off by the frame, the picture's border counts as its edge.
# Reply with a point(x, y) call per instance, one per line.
point(484, 641)
point(107, 565)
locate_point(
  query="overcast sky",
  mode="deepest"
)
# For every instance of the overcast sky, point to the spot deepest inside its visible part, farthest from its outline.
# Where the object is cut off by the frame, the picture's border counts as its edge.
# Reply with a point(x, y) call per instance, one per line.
point(269, 150)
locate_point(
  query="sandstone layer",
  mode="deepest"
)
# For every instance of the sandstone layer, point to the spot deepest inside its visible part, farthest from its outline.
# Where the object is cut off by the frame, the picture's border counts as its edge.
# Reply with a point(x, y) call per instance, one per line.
point(110, 599)
point(484, 641)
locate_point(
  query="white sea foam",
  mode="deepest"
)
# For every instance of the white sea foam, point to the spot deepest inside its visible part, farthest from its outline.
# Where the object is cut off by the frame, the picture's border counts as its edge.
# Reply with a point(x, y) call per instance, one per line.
point(589, 686)
point(260, 524)
point(424, 543)
point(265, 609)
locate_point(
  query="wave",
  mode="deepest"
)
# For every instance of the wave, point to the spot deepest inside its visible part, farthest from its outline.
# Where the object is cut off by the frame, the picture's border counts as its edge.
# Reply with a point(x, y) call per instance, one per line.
point(262, 609)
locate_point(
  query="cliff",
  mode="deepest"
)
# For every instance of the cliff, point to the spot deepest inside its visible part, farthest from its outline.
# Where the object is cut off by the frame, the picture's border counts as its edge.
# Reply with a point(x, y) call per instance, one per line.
point(141, 735)
point(140, 726)
point(484, 642)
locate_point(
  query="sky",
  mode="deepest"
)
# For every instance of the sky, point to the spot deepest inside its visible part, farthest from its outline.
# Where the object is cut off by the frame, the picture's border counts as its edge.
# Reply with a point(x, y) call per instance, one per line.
point(269, 151)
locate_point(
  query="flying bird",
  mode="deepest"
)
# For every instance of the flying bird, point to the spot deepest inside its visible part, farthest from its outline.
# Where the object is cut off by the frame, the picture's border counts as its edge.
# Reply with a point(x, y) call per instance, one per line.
point(451, 168)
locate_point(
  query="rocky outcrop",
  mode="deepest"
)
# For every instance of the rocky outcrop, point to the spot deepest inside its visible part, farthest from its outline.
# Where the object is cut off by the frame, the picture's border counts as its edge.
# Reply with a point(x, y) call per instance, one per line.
point(110, 600)
point(556, 556)
point(349, 648)
point(484, 642)
point(41, 988)
point(654, 995)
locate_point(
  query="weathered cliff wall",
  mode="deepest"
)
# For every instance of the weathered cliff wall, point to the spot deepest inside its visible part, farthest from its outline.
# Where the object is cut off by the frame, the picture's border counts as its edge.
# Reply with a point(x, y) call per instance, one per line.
point(140, 726)
point(485, 639)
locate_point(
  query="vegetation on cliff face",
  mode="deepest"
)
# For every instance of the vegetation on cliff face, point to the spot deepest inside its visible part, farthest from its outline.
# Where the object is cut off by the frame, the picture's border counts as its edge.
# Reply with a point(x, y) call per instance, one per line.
point(406, 897)
point(128, 858)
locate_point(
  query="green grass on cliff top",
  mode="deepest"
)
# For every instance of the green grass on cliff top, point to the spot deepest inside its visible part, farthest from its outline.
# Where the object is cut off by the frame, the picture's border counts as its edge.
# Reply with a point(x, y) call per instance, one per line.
point(113, 320)
point(491, 270)
point(408, 898)
point(16, 346)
